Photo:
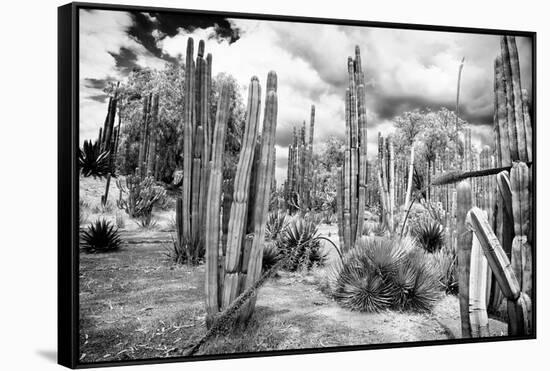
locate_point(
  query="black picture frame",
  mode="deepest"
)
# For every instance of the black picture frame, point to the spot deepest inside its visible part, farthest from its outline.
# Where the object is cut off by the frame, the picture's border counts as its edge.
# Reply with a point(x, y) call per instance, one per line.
point(68, 191)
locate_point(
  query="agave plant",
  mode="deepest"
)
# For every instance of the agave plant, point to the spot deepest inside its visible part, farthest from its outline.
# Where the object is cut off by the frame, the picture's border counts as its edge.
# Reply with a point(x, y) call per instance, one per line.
point(430, 236)
point(415, 283)
point(101, 236)
point(92, 161)
point(276, 222)
point(270, 257)
point(300, 246)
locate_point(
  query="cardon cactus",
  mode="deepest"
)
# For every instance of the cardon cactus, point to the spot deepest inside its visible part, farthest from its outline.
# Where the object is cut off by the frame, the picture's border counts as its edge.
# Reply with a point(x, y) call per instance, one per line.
point(351, 189)
point(464, 244)
point(241, 267)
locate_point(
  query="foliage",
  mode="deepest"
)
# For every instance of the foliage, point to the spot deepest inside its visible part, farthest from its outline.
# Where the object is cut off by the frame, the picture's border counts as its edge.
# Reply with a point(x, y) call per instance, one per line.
point(299, 246)
point(276, 222)
point(446, 266)
point(119, 221)
point(271, 256)
point(430, 236)
point(382, 274)
point(101, 236)
point(138, 197)
point(374, 228)
point(92, 161)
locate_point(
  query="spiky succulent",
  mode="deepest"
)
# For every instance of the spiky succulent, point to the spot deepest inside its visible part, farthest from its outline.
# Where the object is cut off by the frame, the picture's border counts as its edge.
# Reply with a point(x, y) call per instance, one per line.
point(101, 236)
point(270, 257)
point(276, 222)
point(381, 274)
point(430, 236)
point(445, 265)
point(299, 245)
point(92, 161)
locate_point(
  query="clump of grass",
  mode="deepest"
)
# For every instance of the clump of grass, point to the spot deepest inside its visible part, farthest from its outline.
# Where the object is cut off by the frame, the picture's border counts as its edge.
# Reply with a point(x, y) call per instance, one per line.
point(374, 228)
point(300, 246)
point(383, 274)
point(101, 236)
point(430, 236)
point(146, 221)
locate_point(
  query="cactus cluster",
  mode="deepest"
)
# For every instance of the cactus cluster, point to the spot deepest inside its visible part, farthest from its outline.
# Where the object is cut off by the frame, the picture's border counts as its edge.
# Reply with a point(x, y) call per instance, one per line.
point(234, 261)
point(197, 147)
point(352, 177)
point(299, 186)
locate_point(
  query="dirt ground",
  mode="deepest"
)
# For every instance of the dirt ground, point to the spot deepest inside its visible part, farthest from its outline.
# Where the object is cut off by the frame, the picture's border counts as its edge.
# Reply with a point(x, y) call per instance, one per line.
point(137, 304)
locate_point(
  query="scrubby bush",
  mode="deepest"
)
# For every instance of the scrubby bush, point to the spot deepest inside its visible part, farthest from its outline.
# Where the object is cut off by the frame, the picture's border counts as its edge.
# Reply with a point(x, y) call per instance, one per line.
point(138, 197)
point(430, 236)
point(374, 228)
point(101, 236)
point(276, 222)
point(383, 274)
point(299, 245)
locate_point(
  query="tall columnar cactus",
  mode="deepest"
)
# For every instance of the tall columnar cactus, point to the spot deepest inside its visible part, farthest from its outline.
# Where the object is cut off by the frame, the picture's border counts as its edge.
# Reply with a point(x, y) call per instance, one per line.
point(213, 205)
point(464, 250)
point(197, 147)
point(299, 189)
point(242, 263)
point(386, 181)
point(351, 189)
point(239, 208)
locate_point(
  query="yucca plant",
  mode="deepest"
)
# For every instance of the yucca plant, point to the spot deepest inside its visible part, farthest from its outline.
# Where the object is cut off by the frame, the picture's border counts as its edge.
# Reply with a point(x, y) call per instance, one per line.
point(101, 236)
point(276, 222)
point(299, 245)
point(430, 236)
point(381, 274)
point(92, 161)
point(415, 283)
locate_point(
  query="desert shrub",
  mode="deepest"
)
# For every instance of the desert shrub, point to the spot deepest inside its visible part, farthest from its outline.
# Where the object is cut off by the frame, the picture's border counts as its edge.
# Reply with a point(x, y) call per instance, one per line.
point(430, 236)
point(445, 265)
point(383, 274)
point(271, 256)
point(138, 197)
point(92, 161)
point(299, 245)
point(101, 236)
point(276, 222)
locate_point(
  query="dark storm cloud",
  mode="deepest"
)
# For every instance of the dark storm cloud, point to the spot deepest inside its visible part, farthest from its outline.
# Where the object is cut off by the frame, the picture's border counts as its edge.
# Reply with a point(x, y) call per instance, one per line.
point(284, 136)
point(169, 24)
point(101, 98)
point(126, 60)
point(96, 83)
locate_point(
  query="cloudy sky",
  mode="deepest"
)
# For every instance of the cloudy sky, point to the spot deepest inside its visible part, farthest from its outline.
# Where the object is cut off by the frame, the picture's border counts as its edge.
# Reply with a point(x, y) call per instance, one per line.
point(404, 69)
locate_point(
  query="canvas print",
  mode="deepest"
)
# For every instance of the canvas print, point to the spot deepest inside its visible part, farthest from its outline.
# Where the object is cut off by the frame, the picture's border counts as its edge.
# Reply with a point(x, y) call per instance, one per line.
point(251, 185)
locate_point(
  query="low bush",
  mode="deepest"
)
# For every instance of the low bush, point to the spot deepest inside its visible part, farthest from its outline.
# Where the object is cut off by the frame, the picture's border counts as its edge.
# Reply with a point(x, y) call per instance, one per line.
point(445, 264)
point(270, 257)
point(138, 197)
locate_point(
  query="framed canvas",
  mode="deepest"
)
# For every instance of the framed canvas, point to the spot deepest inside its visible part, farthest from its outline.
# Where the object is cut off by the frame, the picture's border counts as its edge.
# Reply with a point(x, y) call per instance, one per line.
point(243, 185)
